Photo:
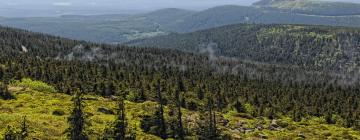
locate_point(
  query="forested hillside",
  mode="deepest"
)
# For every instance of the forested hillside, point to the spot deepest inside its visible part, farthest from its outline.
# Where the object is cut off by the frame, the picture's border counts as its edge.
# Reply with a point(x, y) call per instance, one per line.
point(312, 7)
point(228, 95)
point(321, 47)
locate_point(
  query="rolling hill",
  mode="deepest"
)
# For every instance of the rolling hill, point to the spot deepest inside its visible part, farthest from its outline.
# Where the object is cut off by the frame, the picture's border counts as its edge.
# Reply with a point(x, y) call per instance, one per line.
point(122, 28)
point(335, 48)
point(312, 7)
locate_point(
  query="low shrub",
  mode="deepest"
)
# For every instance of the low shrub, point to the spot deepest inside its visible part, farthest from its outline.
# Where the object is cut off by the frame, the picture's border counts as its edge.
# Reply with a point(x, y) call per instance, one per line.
point(35, 85)
point(58, 112)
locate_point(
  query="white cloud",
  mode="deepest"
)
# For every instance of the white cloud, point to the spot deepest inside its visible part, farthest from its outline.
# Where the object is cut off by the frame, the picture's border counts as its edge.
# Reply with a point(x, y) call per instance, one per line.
point(62, 4)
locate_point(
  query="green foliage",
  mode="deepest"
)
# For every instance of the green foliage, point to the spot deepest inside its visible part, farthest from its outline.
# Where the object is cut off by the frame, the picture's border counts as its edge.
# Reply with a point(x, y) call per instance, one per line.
point(312, 47)
point(20, 133)
point(268, 92)
point(37, 116)
point(118, 130)
point(35, 85)
point(239, 107)
point(249, 109)
point(136, 96)
point(77, 119)
point(5, 94)
point(10, 134)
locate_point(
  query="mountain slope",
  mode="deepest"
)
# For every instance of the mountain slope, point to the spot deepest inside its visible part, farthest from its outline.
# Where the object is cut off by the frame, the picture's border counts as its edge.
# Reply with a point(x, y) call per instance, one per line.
point(225, 15)
point(54, 108)
point(104, 28)
point(167, 16)
point(324, 47)
point(239, 98)
point(312, 7)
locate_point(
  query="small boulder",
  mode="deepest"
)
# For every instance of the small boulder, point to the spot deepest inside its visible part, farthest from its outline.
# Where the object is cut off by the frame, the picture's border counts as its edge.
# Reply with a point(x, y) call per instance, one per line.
point(274, 126)
point(90, 99)
point(260, 127)
point(240, 124)
point(105, 111)
point(248, 130)
point(301, 135)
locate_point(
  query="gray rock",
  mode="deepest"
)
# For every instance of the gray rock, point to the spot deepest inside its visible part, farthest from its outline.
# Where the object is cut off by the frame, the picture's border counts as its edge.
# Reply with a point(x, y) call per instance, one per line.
point(301, 135)
point(105, 111)
point(263, 137)
point(274, 126)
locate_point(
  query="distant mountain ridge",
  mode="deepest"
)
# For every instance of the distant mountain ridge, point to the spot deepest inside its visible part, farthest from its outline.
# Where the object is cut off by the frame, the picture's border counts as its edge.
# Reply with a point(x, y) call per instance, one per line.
point(313, 7)
point(119, 28)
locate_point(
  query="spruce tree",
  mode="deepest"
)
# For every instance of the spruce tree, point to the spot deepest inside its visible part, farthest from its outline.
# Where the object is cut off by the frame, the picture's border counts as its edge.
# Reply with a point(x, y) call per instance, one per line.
point(239, 107)
point(118, 130)
point(5, 93)
point(207, 124)
point(160, 113)
point(180, 129)
point(77, 119)
point(120, 124)
point(2, 73)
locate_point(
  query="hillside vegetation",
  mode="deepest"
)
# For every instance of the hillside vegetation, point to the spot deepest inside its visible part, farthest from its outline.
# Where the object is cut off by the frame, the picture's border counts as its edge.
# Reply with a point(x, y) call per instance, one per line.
point(326, 48)
point(312, 7)
point(228, 95)
point(47, 115)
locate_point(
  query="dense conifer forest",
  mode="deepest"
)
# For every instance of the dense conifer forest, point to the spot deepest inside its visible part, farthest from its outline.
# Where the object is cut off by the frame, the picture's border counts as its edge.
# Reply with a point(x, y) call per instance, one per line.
point(320, 47)
point(203, 83)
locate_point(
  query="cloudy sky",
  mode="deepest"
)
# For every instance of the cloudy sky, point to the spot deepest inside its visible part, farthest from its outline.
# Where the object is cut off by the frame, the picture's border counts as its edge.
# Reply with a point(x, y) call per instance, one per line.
point(134, 4)
point(51, 7)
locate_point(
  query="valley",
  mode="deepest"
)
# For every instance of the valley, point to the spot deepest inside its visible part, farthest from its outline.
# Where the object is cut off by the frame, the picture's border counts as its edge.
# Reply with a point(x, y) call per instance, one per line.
point(120, 28)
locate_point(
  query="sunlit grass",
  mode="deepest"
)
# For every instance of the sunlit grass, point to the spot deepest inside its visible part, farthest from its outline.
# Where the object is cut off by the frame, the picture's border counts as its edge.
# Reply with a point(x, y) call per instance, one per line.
point(39, 105)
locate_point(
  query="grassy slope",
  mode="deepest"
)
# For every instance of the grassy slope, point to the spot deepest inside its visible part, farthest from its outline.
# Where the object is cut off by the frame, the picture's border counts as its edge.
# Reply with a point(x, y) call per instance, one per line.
point(39, 105)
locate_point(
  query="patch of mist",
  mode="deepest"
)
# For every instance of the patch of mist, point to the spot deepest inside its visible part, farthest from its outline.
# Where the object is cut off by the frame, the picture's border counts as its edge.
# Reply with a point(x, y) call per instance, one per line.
point(24, 49)
point(209, 49)
point(80, 52)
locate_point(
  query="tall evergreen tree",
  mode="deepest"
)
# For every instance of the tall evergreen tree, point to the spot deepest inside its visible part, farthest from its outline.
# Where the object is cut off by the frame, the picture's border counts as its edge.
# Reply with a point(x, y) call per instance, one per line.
point(160, 112)
point(239, 107)
point(120, 124)
point(2, 73)
point(77, 119)
point(5, 93)
point(207, 127)
point(180, 129)
point(118, 130)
